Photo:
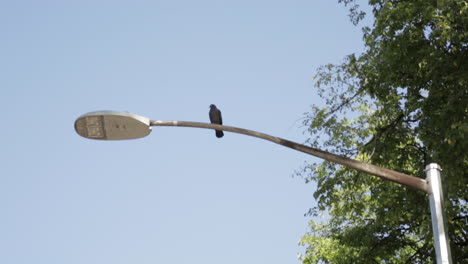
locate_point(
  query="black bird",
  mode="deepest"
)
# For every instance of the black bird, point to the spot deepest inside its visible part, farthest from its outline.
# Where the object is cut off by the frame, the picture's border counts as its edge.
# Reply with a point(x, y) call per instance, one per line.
point(215, 118)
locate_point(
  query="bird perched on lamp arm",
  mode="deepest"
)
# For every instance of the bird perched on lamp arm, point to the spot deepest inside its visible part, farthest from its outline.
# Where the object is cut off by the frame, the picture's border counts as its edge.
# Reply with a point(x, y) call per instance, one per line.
point(215, 118)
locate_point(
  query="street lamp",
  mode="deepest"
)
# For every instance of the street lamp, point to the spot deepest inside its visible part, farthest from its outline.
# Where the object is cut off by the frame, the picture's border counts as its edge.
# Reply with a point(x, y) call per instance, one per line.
point(112, 125)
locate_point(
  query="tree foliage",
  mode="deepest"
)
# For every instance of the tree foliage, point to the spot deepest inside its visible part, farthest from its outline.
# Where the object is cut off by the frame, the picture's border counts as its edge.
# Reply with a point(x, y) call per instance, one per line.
point(401, 104)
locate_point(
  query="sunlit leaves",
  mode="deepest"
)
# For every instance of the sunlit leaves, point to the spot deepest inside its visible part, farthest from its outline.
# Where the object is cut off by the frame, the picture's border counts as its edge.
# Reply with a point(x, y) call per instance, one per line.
point(401, 104)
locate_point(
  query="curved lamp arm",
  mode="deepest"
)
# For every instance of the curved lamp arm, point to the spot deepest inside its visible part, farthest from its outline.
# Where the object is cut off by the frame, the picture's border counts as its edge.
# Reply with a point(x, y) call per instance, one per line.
point(386, 174)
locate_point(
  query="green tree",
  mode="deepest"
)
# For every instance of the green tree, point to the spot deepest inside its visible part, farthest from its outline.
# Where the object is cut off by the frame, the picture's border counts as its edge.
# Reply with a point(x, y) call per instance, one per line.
point(401, 104)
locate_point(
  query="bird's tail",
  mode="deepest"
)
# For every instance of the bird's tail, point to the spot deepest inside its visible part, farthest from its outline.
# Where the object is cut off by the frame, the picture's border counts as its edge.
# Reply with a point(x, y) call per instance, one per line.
point(219, 133)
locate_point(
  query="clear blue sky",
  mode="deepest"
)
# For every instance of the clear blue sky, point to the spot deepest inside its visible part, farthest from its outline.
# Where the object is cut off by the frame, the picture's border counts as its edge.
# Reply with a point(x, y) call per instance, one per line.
point(179, 195)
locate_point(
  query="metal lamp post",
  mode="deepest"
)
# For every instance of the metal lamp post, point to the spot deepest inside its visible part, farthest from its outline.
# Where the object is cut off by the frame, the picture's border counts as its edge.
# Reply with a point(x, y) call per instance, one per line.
point(111, 125)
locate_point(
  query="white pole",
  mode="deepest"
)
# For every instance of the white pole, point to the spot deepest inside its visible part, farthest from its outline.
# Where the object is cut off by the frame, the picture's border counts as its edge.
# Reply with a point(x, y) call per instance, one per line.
point(439, 222)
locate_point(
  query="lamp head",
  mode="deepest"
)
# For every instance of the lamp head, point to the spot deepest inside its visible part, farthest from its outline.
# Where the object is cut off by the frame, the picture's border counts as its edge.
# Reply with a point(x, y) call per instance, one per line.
point(111, 125)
